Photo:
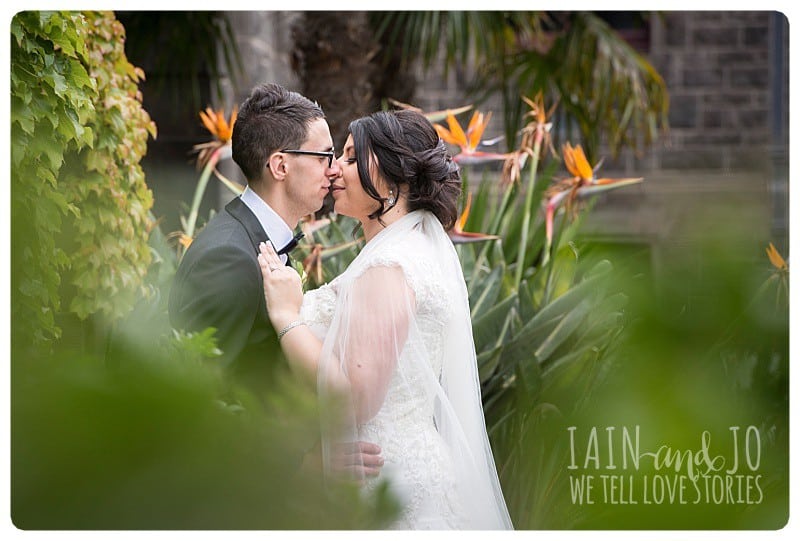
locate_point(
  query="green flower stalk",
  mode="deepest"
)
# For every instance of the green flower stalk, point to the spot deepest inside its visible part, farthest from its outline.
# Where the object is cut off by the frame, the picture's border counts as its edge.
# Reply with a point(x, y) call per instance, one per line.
point(209, 155)
point(539, 129)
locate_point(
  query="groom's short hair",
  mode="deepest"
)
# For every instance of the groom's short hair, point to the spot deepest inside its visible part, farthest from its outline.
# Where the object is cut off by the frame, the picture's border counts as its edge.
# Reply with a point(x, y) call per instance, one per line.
point(270, 119)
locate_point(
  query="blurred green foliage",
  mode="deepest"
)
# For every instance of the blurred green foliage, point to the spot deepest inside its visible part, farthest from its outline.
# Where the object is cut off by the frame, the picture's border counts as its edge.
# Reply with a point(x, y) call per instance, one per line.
point(152, 439)
point(704, 348)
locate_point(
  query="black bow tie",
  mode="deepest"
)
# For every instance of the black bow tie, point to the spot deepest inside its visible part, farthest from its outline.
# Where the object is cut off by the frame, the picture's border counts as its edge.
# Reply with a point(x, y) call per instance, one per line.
point(291, 245)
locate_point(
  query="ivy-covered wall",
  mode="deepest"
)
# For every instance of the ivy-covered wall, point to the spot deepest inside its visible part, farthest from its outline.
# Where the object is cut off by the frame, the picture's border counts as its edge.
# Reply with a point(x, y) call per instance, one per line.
point(80, 204)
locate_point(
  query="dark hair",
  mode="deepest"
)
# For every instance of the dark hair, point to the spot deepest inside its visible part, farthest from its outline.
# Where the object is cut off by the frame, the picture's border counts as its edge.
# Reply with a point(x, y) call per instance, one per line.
point(270, 119)
point(409, 152)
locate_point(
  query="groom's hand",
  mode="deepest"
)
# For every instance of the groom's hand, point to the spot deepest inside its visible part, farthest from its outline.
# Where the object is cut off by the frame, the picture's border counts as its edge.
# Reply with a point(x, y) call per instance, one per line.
point(357, 461)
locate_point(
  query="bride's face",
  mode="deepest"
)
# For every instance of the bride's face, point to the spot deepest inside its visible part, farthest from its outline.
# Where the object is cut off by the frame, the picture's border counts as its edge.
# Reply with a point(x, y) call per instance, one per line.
point(349, 196)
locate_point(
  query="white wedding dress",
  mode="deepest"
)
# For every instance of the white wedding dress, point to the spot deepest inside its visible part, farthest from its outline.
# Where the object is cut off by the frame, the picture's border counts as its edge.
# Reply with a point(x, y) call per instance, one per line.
point(437, 458)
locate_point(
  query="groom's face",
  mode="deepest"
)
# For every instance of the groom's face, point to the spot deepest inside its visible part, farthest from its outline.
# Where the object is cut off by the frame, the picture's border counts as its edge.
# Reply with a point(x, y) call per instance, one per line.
point(308, 183)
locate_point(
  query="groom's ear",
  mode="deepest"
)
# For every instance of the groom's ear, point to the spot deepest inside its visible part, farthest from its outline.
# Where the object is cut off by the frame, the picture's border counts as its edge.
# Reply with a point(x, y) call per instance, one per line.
point(277, 165)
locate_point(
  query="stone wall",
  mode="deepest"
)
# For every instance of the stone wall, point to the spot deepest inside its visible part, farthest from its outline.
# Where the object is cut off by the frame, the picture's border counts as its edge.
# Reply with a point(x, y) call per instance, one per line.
point(717, 68)
point(723, 165)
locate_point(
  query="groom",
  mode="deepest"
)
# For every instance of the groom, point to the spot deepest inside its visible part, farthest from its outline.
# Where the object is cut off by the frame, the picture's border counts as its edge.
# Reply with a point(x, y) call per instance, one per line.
point(218, 283)
point(283, 145)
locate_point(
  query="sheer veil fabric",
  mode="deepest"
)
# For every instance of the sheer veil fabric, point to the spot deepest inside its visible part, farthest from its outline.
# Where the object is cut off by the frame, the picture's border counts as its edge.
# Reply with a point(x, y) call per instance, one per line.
point(398, 352)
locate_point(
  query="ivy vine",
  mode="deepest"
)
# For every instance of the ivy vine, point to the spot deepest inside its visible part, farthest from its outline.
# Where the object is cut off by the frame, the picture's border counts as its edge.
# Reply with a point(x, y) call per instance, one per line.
point(79, 211)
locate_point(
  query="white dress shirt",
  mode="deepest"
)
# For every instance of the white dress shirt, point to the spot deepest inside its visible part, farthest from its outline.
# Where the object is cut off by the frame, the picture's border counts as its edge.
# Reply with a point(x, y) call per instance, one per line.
point(277, 230)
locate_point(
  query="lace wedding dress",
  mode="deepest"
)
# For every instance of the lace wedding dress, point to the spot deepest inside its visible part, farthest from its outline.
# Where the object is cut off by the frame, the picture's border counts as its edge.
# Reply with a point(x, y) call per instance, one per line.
point(402, 306)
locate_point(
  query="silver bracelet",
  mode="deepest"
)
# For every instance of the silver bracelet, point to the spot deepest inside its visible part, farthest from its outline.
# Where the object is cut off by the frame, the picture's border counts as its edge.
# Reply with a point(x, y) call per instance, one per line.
point(290, 326)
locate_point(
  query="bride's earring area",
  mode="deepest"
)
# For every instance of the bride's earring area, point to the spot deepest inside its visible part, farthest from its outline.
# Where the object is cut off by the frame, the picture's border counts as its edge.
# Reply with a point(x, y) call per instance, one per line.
point(391, 200)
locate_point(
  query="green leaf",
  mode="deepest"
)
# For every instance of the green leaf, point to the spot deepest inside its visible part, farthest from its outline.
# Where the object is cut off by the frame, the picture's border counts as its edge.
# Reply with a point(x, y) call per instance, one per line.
point(530, 379)
point(490, 328)
point(43, 146)
point(527, 309)
point(59, 83)
point(68, 125)
point(488, 361)
point(522, 346)
point(484, 294)
point(567, 366)
point(79, 78)
point(568, 325)
point(22, 115)
point(575, 295)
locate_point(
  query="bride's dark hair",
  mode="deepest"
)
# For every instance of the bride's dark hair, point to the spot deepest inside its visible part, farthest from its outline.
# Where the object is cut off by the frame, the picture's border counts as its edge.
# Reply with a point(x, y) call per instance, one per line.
point(409, 153)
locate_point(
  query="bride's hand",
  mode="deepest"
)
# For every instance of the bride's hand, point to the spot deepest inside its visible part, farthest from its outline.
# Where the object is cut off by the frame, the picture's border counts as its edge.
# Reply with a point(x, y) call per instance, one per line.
point(283, 290)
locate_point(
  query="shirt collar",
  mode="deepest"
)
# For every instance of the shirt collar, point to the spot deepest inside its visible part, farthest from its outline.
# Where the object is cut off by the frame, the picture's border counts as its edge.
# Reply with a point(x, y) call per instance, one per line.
point(276, 229)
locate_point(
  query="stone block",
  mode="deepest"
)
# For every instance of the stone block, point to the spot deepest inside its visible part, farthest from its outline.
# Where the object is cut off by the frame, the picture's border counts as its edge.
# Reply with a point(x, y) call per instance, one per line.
point(675, 31)
point(714, 36)
point(750, 159)
point(712, 119)
point(683, 111)
point(702, 77)
point(742, 58)
point(709, 138)
point(756, 36)
point(728, 100)
point(710, 158)
point(750, 77)
point(753, 119)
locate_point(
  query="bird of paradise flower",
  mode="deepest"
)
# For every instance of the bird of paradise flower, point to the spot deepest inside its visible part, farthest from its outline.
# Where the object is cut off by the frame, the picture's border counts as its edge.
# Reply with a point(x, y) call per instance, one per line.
point(209, 154)
point(220, 147)
point(583, 183)
point(469, 140)
point(459, 236)
point(535, 134)
point(780, 275)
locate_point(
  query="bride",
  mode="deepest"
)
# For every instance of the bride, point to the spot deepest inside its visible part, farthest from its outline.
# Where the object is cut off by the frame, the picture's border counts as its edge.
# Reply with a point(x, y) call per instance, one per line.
point(392, 335)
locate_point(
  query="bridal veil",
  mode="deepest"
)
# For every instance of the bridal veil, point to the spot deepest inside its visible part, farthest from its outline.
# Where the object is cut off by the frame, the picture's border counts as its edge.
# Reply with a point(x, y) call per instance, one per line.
point(382, 352)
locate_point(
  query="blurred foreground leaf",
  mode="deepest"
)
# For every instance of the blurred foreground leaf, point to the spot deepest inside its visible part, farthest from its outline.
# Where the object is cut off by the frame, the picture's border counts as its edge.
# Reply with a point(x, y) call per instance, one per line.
point(158, 444)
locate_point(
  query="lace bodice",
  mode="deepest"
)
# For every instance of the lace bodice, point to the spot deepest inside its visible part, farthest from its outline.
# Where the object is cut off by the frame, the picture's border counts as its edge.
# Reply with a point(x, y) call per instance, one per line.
point(416, 460)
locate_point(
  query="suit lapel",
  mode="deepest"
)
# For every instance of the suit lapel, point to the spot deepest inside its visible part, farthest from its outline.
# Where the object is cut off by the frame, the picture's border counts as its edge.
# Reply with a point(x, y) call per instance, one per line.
point(245, 216)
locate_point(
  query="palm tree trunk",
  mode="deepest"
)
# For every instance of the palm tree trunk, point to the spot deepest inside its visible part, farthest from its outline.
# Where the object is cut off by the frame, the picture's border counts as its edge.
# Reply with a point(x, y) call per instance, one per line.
point(332, 57)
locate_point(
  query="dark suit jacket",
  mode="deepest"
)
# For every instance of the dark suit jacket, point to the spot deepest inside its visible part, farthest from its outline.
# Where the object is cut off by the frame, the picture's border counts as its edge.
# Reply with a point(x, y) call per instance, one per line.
point(218, 284)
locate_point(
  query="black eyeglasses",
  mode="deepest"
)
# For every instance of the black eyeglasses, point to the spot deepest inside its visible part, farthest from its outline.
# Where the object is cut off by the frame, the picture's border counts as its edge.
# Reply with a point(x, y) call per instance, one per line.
point(329, 153)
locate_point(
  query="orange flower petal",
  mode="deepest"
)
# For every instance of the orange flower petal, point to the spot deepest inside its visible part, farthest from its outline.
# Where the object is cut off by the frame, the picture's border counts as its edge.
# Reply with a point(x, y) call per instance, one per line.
point(217, 125)
point(582, 164)
point(208, 122)
point(775, 258)
point(456, 131)
point(234, 115)
point(185, 240)
point(445, 135)
point(476, 119)
point(569, 160)
point(462, 220)
point(476, 128)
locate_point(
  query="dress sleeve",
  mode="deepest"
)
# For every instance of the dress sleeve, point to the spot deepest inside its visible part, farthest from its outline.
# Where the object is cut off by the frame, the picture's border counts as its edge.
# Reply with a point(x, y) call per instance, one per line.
point(370, 329)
